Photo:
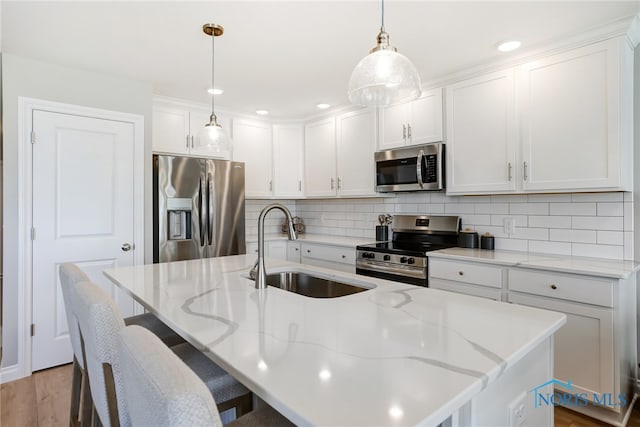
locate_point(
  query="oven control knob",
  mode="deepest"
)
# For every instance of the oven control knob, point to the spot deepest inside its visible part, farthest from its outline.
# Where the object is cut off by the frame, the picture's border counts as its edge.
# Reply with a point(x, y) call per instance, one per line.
point(411, 261)
point(403, 259)
point(387, 257)
point(369, 255)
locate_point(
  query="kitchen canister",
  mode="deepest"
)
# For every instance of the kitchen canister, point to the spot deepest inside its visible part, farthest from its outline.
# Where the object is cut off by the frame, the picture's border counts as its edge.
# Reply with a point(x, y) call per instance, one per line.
point(468, 239)
point(382, 233)
point(487, 241)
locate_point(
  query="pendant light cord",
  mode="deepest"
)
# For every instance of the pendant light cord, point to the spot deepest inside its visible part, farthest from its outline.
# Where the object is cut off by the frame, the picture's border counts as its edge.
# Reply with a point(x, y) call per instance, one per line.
point(213, 50)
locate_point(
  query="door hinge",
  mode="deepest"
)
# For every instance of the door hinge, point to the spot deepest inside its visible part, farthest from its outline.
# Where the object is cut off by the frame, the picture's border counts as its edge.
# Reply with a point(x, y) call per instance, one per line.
point(33, 137)
point(33, 233)
point(33, 329)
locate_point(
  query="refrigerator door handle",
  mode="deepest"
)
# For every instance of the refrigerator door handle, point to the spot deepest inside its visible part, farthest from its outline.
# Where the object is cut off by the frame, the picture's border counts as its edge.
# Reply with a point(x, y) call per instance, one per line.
point(202, 211)
point(211, 207)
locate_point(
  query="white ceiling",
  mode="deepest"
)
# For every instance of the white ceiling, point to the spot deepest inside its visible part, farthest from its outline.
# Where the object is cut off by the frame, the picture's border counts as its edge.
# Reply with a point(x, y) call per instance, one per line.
point(281, 56)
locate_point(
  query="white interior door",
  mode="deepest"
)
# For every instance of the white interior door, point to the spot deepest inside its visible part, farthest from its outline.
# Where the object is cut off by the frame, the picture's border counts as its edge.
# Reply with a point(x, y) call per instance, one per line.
point(83, 205)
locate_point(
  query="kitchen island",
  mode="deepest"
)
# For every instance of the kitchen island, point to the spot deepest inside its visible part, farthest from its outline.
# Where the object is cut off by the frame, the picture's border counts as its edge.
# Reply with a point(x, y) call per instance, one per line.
point(394, 354)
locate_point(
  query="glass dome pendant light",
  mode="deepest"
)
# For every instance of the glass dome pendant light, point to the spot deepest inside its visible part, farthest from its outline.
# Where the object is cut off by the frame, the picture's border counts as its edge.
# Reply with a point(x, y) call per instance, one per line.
point(212, 137)
point(384, 77)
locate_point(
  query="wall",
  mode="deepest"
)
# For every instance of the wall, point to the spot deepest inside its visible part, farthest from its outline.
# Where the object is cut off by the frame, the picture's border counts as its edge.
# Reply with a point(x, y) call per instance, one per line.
point(582, 224)
point(273, 220)
point(35, 79)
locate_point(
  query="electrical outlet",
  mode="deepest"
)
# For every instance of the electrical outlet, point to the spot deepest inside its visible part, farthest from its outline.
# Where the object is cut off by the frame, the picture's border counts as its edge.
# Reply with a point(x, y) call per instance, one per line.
point(518, 411)
point(509, 225)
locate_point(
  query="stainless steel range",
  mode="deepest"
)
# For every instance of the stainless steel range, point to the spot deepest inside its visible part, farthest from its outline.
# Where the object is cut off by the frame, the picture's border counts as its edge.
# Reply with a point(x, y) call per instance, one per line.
point(404, 258)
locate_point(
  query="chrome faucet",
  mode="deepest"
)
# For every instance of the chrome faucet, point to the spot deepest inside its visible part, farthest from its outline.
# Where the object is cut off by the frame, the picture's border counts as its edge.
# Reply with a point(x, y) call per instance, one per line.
point(258, 272)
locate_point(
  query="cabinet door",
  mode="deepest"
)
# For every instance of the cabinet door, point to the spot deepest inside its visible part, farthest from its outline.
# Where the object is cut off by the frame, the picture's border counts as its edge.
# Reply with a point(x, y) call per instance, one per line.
point(355, 143)
point(392, 126)
point(570, 106)
point(197, 121)
point(481, 135)
point(287, 160)
point(293, 251)
point(278, 249)
point(426, 118)
point(252, 145)
point(170, 130)
point(320, 158)
point(583, 347)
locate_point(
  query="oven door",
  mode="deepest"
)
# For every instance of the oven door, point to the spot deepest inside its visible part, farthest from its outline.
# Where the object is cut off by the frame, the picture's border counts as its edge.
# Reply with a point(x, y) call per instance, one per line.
point(410, 169)
point(406, 274)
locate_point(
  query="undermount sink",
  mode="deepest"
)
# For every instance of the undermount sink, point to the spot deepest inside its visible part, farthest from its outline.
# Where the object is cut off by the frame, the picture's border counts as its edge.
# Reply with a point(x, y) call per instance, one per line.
point(311, 286)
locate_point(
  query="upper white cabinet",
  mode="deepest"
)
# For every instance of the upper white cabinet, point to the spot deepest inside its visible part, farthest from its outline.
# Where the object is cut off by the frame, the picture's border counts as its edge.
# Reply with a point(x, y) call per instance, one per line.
point(570, 130)
point(252, 145)
point(320, 158)
point(288, 161)
point(339, 155)
point(481, 134)
point(355, 146)
point(573, 118)
point(175, 129)
point(412, 123)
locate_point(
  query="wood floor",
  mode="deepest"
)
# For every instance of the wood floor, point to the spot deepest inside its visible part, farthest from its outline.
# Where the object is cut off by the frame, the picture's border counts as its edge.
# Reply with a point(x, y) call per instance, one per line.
point(43, 399)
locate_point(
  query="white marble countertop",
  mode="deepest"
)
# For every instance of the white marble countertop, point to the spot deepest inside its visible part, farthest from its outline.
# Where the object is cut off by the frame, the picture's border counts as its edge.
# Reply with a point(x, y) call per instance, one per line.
point(615, 269)
point(393, 355)
point(318, 238)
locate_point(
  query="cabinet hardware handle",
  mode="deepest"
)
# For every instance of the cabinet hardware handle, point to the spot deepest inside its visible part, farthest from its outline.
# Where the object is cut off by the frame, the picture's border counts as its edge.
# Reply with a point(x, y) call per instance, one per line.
point(409, 133)
point(525, 171)
point(461, 273)
point(554, 287)
point(299, 185)
point(344, 256)
point(308, 251)
point(339, 183)
point(296, 249)
point(187, 144)
point(332, 180)
point(404, 132)
point(270, 185)
point(509, 171)
point(191, 141)
point(126, 247)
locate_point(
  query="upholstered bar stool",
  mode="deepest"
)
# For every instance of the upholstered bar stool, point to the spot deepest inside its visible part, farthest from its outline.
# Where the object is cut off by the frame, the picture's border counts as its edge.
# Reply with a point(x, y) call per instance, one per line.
point(166, 391)
point(70, 274)
point(100, 321)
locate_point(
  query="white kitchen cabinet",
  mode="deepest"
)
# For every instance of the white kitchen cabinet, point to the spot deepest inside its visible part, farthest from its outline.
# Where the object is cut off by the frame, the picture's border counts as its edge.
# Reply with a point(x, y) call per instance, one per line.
point(328, 256)
point(355, 147)
point(475, 279)
point(481, 134)
point(293, 251)
point(288, 161)
point(175, 129)
point(272, 249)
point(320, 158)
point(596, 349)
point(573, 122)
point(412, 123)
point(252, 145)
point(570, 130)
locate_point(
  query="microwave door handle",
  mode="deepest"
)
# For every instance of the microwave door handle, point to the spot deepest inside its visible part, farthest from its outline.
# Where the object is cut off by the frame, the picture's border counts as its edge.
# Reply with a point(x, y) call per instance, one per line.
point(419, 169)
point(202, 211)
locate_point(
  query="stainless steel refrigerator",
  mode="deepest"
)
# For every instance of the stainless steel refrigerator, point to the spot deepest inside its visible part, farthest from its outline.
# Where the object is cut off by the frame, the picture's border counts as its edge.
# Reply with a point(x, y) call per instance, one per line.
point(198, 208)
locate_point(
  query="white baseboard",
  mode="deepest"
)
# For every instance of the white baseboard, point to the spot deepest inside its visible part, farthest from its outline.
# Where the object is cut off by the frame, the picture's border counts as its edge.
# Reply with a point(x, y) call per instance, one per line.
point(10, 373)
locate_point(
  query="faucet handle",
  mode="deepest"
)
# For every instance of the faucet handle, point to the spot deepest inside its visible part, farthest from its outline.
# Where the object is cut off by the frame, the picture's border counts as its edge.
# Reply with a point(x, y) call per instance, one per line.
point(253, 273)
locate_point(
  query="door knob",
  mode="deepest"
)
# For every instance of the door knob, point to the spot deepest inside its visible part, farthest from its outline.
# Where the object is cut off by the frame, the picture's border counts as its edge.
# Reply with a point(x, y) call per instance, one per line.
point(126, 247)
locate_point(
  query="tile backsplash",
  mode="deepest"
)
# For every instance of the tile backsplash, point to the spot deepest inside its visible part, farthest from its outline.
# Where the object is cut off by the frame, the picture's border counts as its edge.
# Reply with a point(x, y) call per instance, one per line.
point(581, 224)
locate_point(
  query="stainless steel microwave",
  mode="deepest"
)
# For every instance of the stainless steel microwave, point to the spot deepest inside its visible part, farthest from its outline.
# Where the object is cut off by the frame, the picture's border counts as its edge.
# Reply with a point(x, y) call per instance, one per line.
point(416, 168)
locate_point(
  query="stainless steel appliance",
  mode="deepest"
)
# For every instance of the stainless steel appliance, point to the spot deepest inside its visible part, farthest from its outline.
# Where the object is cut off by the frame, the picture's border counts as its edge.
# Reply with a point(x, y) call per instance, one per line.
point(198, 208)
point(404, 258)
point(417, 168)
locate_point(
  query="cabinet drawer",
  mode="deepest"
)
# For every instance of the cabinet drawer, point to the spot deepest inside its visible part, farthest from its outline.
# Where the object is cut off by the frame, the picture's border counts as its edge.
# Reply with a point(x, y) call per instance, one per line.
point(339, 254)
point(485, 275)
point(571, 287)
point(462, 288)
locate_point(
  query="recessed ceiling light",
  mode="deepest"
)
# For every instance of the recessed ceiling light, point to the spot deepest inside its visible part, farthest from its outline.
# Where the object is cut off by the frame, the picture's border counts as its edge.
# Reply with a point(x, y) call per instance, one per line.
point(509, 46)
point(215, 91)
point(323, 106)
point(262, 112)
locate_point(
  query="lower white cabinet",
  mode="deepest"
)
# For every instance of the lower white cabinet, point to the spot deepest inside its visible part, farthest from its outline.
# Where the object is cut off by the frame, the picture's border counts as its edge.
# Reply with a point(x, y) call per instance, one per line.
point(475, 279)
point(272, 249)
point(293, 251)
point(328, 256)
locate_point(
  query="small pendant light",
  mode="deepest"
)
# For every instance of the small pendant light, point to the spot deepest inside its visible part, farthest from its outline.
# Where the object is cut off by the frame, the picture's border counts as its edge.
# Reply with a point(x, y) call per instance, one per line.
point(212, 137)
point(384, 77)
